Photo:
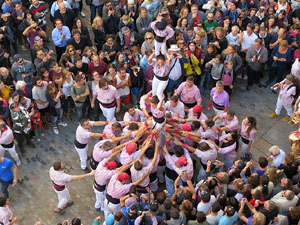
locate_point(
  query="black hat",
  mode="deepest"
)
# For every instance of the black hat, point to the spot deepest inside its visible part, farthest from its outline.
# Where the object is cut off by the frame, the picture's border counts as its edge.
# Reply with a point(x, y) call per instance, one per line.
point(161, 25)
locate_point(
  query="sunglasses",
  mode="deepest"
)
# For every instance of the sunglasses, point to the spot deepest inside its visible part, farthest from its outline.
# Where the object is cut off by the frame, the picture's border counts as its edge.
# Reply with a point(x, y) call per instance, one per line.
point(181, 43)
point(149, 38)
point(38, 40)
point(71, 50)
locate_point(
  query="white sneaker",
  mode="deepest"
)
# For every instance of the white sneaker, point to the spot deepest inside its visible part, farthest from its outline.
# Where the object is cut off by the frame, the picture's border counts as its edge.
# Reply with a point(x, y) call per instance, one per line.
point(62, 124)
point(42, 134)
point(82, 14)
point(55, 130)
point(38, 139)
point(18, 163)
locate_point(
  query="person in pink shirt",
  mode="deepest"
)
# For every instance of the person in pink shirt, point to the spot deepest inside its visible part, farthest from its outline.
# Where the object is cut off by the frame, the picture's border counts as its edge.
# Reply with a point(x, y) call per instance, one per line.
point(158, 112)
point(59, 180)
point(138, 169)
point(161, 68)
point(162, 34)
point(6, 215)
point(105, 170)
point(133, 114)
point(145, 104)
point(176, 107)
point(117, 188)
point(197, 113)
point(113, 131)
point(83, 135)
point(286, 96)
point(231, 122)
point(209, 131)
point(7, 142)
point(129, 153)
point(109, 99)
point(228, 147)
point(189, 93)
point(248, 134)
point(102, 150)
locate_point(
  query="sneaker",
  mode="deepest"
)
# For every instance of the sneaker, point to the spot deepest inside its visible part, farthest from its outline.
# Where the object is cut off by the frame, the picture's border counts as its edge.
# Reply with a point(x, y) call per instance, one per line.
point(86, 170)
point(62, 124)
point(18, 163)
point(82, 14)
point(287, 117)
point(55, 130)
point(42, 134)
point(272, 115)
point(38, 140)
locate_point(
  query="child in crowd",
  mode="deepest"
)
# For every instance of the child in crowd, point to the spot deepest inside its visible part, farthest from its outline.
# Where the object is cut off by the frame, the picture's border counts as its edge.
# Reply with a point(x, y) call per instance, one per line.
point(126, 22)
point(227, 76)
point(214, 69)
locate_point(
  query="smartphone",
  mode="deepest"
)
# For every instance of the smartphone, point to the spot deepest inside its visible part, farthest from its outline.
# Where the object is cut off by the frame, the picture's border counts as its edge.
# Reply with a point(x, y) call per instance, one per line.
point(213, 59)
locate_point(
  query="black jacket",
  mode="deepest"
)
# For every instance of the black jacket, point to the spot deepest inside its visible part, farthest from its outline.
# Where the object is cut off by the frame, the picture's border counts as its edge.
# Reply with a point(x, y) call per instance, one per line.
point(67, 19)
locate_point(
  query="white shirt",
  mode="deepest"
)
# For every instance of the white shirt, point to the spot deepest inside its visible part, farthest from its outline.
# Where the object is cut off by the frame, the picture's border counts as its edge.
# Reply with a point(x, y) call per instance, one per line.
point(176, 72)
point(83, 135)
point(277, 161)
point(59, 177)
point(7, 136)
point(248, 41)
point(205, 207)
point(5, 215)
point(214, 220)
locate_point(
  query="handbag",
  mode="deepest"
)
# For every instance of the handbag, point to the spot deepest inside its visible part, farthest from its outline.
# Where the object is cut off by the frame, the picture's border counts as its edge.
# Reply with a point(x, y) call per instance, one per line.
point(88, 2)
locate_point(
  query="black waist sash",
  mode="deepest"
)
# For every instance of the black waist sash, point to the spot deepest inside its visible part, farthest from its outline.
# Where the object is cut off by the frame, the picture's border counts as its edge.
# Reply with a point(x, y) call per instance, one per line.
point(93, 163)
point(159, 39)
point(8, 145)
point(109, 105)
point(165, 78)
point(79, 145)
point(171, 174)
point(244, 140)
point(98, 187)
point(219, 107)
point(153, 177)
point(112, 200)
point(190, 105)
point(58, 187)
point(158, 120)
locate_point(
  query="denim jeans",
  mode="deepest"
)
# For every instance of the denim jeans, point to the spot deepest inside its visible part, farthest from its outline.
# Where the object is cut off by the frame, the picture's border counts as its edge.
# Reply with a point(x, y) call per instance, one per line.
point(67, 103)
point(4, 187)
point(54, 119)
point(81, 112)
point(93, 9)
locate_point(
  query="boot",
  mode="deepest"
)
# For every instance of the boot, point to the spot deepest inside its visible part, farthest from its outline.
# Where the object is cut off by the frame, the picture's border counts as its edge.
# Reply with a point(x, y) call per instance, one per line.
point(272, 115)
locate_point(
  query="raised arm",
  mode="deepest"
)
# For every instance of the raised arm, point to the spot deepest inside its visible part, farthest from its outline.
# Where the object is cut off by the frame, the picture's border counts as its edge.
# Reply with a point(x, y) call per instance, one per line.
point(142, 178)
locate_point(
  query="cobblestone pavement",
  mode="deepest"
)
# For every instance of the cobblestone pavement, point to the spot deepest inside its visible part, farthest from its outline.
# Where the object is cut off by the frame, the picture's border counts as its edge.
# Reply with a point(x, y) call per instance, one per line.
point(35, 199)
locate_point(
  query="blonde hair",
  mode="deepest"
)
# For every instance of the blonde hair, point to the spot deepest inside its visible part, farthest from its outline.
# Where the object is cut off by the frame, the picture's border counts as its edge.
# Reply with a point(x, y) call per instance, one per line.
point(236, 28)
point(147, 34)
point(239, 183)
point(181, 11)
point(259, 219)
point(94, 25)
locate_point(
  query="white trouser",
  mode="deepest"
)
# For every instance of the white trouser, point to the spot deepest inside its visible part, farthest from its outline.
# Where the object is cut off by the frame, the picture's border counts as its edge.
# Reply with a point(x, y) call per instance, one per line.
point(288, 108)
point(160, 46)
point(158, 87)
point(243, 148)
point(158, 125)
point(63, 197)
point(218, 122)
point(110, 208)
point(82, 152)
point(108, 113)
point(100, 196)
point(12, 152)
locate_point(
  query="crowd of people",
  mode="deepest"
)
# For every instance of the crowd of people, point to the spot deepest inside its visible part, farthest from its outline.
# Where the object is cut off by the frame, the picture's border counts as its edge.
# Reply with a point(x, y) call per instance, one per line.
point(145, 66)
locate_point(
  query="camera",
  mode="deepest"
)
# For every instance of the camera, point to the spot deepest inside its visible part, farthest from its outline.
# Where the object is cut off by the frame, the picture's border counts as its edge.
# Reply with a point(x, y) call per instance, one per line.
point(164, 15)
point(110, 8)
point(216, 4)
point(174, 54)
point(136, 70)
point(261, 10)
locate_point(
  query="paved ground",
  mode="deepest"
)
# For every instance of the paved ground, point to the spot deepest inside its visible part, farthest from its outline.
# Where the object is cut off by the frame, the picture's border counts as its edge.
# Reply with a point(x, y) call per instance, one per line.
point(35, 200)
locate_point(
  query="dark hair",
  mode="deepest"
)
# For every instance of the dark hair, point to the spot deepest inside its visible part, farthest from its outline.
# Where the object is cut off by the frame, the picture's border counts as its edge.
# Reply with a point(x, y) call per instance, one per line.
point(116, 125)
point(150, 152)
point(254, 180)
point(205, 197)
point(174, 213)
point(174, 98)
point(252, 122)
point(231, 113)
point(155, 99)
point(178, 151)
point(264, 181)
point(2, 201)
point(195, 125)
point(233, 202)
point(216, 207)
point(154, 206)
point(138, 165)
point(190, 78)
point(161, 57)
point(263, 162)
point(203, 146)
point(35, 79)
point(167, 203)
point(76, 221)
point(161, 197)
point(102, 82)
point(57, 166)
point(201, 217)
point(133, 126)
point(230, 211)
point(210, 123)
point(129, 106)
point(78, 78)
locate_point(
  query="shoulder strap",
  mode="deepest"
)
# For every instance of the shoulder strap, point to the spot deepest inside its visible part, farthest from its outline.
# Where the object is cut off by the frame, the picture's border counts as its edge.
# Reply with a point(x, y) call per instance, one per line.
point(172, 66)
point(293, 85)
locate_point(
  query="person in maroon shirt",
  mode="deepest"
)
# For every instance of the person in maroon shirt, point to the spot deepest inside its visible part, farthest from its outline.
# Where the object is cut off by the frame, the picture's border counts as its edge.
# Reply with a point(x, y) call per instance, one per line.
point(97, 65)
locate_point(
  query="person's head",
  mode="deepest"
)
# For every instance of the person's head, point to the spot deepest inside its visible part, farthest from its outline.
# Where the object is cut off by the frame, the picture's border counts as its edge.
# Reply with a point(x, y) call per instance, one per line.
point(4, 72)
point(289, 195)
point(174, 100)
point(283, 45)
point(160, 60)
point(58, 24)
point(262, 162)
point(109, 39)
point(230, 115)
point(249, 29)
point(259, 219)
point(97, 22)
point(219, 86)
point(174, 214)
point(122, 72)
point(51, 89)
point(37, 81)
point(189, 81)
point(8, 2)
point(62, 7)
point(138, 165)
point(130, 109)
point(149, 37)
point(116, 127)
point(78, 23)
point(254, 180)
point(295, 212)
point(143, 12)
point(3, 201)
point(85, 123)
point(223, 177)
point(20, 85)
point(238, 184)
point(229, 64)
point(76, 35)
point(76, 221)
point(219, 33)
point(19, 60)
point(274, 150)
point(15, 107)
point(229, 211)
point(18, 6)
point(270, 205)
point(184, 12)
point(125, 30)
point(103, 84)
point(200, 217)
point(161, 197)
point(79, 79)
point(58, 166)
point(15, 97)
point(210, 16)
point(257, 44)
